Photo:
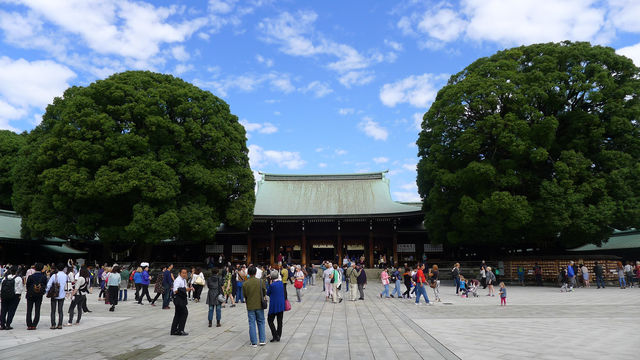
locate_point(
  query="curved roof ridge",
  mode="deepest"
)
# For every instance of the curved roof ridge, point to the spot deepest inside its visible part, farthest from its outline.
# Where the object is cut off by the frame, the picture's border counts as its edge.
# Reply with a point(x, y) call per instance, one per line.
point(323, 177)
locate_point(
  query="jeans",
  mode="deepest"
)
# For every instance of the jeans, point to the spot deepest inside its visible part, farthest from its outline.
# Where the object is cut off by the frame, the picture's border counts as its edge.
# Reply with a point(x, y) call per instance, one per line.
point(408, 292)
point(599, 281)
point(256, 316)
point(361, 291)
point(421, 290)
point(457, 285)
point(166, 297)
point(304, 282)
point(120, 297)
point(8, 310)
point(385, 292)
point(622, 281)
point(299, 294)
point(239, 297)
point(347, 285)
point(436, 290)
point(56, 303)
point(276, 333)
point(218, 312)
point(396, 290)
point(33, 304)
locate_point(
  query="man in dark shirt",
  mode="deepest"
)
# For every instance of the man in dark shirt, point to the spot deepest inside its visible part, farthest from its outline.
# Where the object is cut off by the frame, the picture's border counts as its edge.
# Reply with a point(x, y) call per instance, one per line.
point(167, 285)
point(599, 275)
point(362, 281)
point(36, 285)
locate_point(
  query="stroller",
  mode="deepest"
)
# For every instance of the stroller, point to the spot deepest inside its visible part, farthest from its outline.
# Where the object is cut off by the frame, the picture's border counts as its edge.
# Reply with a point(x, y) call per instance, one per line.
point(473, 285)
point(563, 277)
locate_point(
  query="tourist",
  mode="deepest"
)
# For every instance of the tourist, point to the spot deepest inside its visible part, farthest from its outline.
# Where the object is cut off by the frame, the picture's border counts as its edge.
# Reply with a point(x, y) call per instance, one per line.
point(464, 289)
point(336, 283)
point(384, 277)
point(420, 282)
point(628, 273)
point(158, 288)
point(124, 284)
point(521, 275)
point(571, 274)
point(313, 274)
point(167, 286)
point(599, 272)
point(137, 281)
point(362, 281)
point(214, 284)
point(145, 280)
point(327, 276)
point(275, 291)
point(78, 295)
point(240, 277)
point(491, 279)
point(352, 274)
point(345, 278)
point(103, 287)
point(621, 279)
point(299, 282)
point(483, 277)
point(435, 282)
point(254, 291)
point(455, 273)
point(181, 312)
point(308, 274)
point(227, 286)
point(284, 272)
point(503, 295)
point(36, 285)
point(537, 272)
point(56, 286)
point(10, 293)
point(396, 279)
point(113, 284)
point(407, 277)
point(197, 282)
point(638, 272)
point(585, 275)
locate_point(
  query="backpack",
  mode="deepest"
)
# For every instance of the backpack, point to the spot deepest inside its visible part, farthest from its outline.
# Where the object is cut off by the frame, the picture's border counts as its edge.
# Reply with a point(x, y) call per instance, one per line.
point(8, 290)
point(36, 289)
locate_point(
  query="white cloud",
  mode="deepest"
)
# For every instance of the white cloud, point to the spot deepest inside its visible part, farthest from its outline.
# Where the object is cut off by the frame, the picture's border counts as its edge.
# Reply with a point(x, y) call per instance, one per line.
point(632, 52)
point(410, 167)
point(521, 22)
point(282, 83)
point(134, 30)
point(373, 129)
point(417, 121)
point(322, 165)
point(248, 83)
point(182, 68)
point(340, 152)
point(346, 111)
point(417, 90)
point(262, 60)
point(406, 196)
point(258, 157)
point(393, 44)
point(179, 53)
point(380, 160)
point(27, 85)
point(295, 35)
point(318, 88)
point(262, 128)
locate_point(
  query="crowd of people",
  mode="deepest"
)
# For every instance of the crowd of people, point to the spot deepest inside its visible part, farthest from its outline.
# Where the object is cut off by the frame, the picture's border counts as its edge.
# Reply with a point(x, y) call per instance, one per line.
point(259, 287)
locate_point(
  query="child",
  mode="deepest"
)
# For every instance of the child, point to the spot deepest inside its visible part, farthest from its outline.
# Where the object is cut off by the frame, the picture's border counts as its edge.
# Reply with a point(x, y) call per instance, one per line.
point(463, 286)
point(503, 295)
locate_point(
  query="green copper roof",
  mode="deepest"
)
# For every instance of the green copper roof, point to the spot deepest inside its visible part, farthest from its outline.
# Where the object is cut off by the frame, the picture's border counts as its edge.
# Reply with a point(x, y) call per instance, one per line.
point(325, 195)
point(10, 224)
point(621, 240)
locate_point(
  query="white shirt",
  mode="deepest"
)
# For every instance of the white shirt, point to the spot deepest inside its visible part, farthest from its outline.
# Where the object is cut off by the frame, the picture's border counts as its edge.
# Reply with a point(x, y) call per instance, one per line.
point(179, 282)
point(258, 273)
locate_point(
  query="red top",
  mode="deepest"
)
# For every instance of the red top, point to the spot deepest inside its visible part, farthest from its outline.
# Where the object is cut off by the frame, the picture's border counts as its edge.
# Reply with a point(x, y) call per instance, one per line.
point(420, 277)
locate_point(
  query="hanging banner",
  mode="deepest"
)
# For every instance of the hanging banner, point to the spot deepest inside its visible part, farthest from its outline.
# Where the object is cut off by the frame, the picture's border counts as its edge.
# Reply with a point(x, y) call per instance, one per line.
point(355, 247)
point(432, 248)
point(406, 248)
point(239, 249)
point(214, 248)
point(322, 246)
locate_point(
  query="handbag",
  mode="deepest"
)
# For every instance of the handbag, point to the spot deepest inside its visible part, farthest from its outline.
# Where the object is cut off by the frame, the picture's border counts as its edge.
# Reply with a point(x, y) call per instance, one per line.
point(221, 298)
point(199, 281)
point(298, 284)
point(433, 284)
point(54, 290)
point(287, 305)
point(262, 299)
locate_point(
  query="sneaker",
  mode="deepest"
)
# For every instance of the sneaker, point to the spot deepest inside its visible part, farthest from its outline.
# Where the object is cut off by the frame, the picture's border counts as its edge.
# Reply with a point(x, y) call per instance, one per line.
point(254, 345)
point(68, 324)
point(263, 344)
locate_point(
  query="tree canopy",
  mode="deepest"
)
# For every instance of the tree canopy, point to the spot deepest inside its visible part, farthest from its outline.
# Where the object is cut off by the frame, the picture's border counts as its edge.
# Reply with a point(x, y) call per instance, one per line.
point(137, 157)
point(10, 145)
point(534, 146)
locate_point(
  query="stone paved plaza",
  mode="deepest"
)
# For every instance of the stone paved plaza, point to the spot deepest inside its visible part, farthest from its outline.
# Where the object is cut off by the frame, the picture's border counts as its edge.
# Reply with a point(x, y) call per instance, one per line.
point(538, 323)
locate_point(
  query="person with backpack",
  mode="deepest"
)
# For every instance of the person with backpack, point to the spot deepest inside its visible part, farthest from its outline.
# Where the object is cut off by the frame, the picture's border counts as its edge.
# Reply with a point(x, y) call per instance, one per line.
point(113, 286)
point(240, 278)
point(10, 293)
point(36, 285)
point(55, 291)
point(78, 295)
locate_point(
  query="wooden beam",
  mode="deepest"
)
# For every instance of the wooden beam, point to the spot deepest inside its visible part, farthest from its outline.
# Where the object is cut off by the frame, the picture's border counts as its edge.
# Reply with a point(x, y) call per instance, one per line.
point(303, 249)
point(272, 248)
point(339, 248)
point(395, 248)
point(370, 249)
point(249, 254)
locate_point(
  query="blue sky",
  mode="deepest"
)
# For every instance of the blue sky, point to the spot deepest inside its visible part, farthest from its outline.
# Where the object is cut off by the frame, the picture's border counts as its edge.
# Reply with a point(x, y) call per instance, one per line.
point(321, 86)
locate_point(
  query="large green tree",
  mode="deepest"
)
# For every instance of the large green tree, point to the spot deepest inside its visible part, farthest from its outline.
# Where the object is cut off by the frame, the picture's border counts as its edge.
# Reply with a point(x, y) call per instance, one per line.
point(534, 146)
point(137, 157)
point(10, 145)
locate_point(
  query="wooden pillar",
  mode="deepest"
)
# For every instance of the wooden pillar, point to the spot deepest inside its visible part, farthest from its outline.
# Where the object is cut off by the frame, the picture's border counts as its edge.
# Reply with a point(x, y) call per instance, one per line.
point(370, 248)
point(249, 254)
point(303, 249)
point(395, 247)
point(339, 248)
point(272, 247)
